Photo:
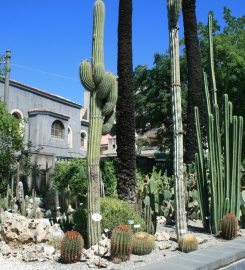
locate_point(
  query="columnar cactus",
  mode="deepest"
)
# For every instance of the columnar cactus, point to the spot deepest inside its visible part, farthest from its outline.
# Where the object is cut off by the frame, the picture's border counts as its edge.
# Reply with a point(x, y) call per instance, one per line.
point(222, 168)
point(229, 226)
point(174, 7)
point(103, 96)
point(143, 243)
point(121, 243)
point(71, 247)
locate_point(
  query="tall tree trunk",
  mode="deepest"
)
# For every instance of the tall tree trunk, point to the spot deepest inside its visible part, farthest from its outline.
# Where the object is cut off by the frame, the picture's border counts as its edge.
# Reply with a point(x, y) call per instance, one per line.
point(195, 81)
point(126, 162)
point(179, 185)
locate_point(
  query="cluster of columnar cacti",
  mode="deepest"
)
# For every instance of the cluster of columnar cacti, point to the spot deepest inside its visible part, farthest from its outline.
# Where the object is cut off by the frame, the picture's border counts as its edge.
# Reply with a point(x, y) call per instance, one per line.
point(149, 217)
point(174, 7)
point(229, 226)
point(121, 242)
point(71, 247)
point(143, 243)
point(103, 96)
point(219, 172)
point(188, 243)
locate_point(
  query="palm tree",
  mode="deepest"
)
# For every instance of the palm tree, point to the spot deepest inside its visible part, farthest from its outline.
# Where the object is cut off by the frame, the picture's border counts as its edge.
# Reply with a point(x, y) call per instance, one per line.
point(195, 82)
point(125, 118)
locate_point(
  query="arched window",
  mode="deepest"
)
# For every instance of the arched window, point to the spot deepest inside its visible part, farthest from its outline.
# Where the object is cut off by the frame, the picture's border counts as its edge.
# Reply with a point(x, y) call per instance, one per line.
point(83, 139)
point(19, 116)
point(16, 115)
point(69, 137)
point(57, 130)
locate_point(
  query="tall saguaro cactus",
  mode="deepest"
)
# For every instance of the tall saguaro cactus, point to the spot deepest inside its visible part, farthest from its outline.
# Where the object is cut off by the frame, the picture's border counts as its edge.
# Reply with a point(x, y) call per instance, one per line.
point(103, 96)
point(174, 7)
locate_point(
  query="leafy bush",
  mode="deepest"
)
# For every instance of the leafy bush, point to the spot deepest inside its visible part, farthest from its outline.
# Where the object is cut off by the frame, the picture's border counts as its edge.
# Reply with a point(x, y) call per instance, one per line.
point(115, 212)
point(73, 174)
point(109, 178)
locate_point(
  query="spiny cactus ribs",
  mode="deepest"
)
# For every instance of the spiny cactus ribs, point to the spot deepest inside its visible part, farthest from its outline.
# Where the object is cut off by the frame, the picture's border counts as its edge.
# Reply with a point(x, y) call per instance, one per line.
point(121, 243)
point(143, 243)
point(229, 226)
point(71, 247)
point(103, 97)
point(188, 243)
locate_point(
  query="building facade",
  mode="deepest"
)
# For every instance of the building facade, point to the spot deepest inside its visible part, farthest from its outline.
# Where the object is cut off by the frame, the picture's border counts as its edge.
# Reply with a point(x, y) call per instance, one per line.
point(56, 127)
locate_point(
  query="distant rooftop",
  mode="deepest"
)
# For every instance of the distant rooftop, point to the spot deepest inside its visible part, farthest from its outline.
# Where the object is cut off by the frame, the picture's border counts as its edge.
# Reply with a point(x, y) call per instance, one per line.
point(43, 93)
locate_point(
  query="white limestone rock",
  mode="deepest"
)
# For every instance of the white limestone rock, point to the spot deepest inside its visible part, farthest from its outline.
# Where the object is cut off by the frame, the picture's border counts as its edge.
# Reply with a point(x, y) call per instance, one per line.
point(162, 236)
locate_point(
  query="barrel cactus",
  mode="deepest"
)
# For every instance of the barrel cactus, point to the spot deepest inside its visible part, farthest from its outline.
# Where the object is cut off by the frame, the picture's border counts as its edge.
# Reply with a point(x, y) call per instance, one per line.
point(143, 243)
point(103, 96)
point(121, 243)
point(188, 243)
point(71, 247)
point(229, 226)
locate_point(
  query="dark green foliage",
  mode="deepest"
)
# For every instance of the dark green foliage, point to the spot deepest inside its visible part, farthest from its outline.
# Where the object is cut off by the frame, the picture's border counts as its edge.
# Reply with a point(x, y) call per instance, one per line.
point(143, 243)
point(153, 97)
point(79, 219)
point(152, 85)
point(108, 173)
point(11, 141)
point(71, 247)
point(229, 226)
point(115, 212)
point(188, 243)
point(72, 174)
point(121, 243)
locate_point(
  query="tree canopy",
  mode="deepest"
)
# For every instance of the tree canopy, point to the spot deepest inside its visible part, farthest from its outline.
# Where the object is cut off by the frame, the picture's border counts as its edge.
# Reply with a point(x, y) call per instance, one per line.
point(11, 142)
point(152, 86)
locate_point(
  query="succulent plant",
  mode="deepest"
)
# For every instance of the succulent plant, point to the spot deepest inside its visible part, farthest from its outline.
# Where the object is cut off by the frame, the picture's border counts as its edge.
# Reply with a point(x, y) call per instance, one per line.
point(143, 243)
point(103, 96)
point(71, 247)
point(121, 243)
point(229, 226)
point(188, 243)
point(219, 171)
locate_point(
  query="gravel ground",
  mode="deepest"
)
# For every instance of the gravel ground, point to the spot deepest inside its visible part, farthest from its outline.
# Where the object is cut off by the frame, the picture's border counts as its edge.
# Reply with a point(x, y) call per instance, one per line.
point(135, 261)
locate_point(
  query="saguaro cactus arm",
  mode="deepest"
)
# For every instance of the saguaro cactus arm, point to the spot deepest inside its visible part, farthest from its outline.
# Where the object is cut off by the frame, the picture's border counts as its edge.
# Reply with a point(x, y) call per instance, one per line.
point(103, 88)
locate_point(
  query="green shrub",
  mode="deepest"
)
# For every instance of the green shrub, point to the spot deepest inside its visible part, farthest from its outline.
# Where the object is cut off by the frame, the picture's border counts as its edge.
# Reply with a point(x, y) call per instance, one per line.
point(72, 173)
point(115, 212)
point(109, 178)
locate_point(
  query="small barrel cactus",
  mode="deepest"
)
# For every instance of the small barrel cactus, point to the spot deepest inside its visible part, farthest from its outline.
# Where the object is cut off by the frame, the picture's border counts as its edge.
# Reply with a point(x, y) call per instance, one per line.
point(143, 243)
point(188, 243)
point(121, 243)
point(229, 226)
point(71, 247)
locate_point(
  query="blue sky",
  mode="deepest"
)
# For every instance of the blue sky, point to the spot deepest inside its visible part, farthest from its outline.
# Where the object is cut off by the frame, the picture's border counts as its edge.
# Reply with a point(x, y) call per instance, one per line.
point(49, 38)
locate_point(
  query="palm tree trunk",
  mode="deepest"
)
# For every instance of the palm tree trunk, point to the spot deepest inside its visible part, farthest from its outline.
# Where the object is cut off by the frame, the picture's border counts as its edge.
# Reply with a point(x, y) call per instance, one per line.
point(125, 130)
point(195, 82)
